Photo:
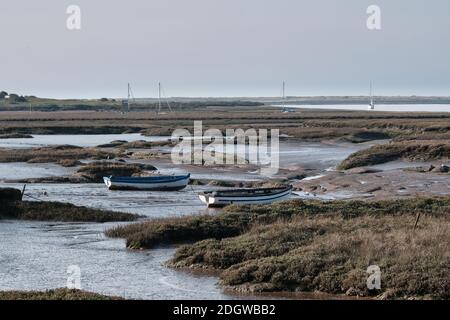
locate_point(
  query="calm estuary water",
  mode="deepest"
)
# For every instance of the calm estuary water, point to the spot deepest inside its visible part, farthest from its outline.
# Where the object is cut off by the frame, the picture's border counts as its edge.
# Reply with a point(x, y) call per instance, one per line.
point(35, 256)
point(380, 107)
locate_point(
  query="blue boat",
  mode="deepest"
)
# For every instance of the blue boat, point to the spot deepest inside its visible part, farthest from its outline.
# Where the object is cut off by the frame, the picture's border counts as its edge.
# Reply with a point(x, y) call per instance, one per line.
point(159, 182)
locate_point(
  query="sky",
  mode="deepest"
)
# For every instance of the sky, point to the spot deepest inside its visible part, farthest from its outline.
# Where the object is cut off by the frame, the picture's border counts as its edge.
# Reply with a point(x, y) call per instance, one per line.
point(206, 48)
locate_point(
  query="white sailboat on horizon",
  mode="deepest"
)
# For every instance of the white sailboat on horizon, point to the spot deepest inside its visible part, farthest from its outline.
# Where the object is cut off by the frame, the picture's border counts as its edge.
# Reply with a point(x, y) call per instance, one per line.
point(127, 102)
point(283, 97)
point(371, 103)
point(160, 103)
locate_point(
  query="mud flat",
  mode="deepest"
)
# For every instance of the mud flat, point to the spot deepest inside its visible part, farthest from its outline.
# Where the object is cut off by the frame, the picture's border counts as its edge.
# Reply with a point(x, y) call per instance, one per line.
point(392, 180)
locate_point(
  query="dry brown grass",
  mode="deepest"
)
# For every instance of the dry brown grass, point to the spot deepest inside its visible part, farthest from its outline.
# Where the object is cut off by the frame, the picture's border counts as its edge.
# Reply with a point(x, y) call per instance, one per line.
point(302, 124)
point(314, 246)
point(334, 254)
point(95, 171)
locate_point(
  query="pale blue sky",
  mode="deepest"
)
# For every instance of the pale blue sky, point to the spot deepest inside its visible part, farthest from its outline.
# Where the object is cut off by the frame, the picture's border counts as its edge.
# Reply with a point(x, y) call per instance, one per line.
point(225, 47)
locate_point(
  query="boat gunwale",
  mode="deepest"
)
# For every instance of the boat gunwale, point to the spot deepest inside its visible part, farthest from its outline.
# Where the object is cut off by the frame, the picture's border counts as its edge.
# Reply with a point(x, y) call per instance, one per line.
point(146, 180)
point(248, 199)
point(234, 193)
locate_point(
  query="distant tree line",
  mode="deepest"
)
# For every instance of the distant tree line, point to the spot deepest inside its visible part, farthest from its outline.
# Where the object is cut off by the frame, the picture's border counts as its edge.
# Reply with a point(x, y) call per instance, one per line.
point(13, 98)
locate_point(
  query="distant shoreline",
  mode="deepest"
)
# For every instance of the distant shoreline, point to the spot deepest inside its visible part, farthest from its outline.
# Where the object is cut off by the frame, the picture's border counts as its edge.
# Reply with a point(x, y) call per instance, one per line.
point(32, 103)
point(319, 100)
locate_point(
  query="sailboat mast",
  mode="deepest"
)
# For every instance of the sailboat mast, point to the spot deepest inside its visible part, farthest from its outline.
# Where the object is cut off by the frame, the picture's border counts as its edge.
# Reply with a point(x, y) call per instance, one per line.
point(159, 97)
point(371, 104)
point(129, 97)
point(284, 93)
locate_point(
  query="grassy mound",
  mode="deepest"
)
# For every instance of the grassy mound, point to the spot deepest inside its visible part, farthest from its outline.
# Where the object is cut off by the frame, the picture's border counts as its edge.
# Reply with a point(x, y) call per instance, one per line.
point(53, 154)
point(177, 230)
point(95, 171)
point(334, 254)
point(69, 162)
point(365, 136)
point(62, 212)
point(138, 144)
point(409, 150)
point(56, 294)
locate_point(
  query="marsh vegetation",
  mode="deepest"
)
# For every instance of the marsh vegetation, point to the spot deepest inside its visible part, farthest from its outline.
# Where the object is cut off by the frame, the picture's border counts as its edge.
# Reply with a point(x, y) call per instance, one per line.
point(14, 208)
point(312, 245)
point(415, 150)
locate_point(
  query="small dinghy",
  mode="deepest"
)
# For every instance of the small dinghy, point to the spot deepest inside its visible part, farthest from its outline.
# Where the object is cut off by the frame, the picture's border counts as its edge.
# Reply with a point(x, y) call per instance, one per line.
point(245, 196)
point(160, 182)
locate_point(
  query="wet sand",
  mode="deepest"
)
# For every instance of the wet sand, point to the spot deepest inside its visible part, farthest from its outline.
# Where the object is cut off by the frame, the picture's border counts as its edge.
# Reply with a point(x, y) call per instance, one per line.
point(389, 180)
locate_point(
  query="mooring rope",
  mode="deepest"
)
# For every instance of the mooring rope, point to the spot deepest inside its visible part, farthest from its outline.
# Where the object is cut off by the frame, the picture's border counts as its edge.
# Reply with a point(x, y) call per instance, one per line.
point(27, 195)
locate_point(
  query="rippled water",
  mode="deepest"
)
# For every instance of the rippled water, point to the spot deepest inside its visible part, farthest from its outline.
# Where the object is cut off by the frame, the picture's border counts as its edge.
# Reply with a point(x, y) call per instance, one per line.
point(22, 170)
point(35, 256)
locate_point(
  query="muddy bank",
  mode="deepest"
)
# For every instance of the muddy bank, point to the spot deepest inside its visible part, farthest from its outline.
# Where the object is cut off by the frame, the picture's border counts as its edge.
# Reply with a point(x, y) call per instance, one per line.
point(407, 150)
point(391, 180)
point(15, 136)
point(138, 144)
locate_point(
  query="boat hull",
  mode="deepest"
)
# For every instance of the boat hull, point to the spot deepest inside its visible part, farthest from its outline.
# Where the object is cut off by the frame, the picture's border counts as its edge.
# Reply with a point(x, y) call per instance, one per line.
point(220, 201)
point(168, 183)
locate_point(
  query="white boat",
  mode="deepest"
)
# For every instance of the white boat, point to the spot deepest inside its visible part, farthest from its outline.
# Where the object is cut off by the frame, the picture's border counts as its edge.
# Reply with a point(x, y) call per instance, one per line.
point(245, 196)
point(371, 104)
point(166, 183)
point(283, 98)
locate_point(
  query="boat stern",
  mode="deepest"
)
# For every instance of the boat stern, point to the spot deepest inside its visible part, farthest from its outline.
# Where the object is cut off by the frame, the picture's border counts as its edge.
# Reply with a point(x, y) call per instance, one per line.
point(207, 199)
point(107, 181)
